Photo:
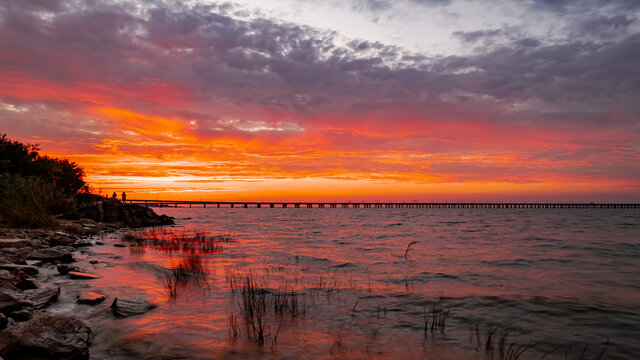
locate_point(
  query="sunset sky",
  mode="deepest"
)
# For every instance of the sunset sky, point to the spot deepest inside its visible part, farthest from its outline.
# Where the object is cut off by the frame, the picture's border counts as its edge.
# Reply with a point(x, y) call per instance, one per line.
point(430, 100)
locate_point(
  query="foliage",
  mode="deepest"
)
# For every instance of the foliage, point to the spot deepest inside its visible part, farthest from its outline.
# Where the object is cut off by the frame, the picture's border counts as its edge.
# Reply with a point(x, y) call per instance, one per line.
point(32, 187)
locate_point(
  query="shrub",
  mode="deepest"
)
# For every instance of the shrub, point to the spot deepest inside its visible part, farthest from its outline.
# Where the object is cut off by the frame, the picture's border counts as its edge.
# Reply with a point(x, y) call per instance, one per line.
point(32, 187)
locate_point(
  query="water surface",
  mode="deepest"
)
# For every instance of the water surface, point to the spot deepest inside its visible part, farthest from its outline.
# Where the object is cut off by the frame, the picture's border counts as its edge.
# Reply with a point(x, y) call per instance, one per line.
point(557, 278)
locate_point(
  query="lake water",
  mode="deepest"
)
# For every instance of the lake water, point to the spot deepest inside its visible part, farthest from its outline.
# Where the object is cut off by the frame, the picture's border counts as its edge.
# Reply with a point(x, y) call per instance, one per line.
point(359, 283)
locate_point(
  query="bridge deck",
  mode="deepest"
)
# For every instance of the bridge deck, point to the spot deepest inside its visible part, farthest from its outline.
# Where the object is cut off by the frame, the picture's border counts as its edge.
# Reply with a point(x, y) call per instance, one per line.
point(387, 205)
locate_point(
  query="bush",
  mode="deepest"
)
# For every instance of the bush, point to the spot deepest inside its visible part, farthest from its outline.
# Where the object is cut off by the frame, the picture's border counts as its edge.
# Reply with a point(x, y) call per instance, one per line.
point(25, 201)
point(32, 187)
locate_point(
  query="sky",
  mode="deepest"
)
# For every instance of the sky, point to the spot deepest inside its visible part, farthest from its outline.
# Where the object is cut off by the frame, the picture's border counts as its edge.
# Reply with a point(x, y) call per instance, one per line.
point(426, 100)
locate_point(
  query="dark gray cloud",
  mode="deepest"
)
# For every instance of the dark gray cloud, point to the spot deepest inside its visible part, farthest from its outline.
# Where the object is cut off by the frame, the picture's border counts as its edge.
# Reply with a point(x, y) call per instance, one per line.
point(257, 62)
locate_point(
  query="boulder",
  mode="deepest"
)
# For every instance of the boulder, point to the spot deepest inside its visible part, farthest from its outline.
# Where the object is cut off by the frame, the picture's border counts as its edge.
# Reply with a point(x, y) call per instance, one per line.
point(14, 243)
point(129, 307)
point(82, 275)
point(90, 298)
point(46, 336)
point(40, 298)
point(56, 253)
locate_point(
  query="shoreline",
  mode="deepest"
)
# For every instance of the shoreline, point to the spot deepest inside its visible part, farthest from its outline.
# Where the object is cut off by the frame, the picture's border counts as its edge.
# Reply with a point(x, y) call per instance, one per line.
point(31, 260)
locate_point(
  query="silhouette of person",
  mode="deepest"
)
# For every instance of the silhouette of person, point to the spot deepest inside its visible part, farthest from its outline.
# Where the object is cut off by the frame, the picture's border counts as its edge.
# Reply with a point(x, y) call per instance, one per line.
point(124, 197)
point(114, 196)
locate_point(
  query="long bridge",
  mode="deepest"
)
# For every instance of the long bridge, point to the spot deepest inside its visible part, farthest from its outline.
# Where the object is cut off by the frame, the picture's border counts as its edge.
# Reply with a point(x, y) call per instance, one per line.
point(381, 205)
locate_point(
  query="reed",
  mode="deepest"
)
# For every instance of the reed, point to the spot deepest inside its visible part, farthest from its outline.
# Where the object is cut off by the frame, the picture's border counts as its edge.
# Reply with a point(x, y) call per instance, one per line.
point(406, 252)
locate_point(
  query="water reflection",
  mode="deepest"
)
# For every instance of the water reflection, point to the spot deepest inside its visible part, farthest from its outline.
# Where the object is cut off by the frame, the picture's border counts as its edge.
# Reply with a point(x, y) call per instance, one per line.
point(339, 284)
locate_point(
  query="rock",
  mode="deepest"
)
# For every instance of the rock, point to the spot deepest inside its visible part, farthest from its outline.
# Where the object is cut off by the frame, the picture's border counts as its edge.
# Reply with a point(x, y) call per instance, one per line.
point(23, 281)
point(56, 253)
point(90, 298)
point(14, 243)
point(65, 268)
point(119, 245)
point(40, 298)
point(31, 270)
point(129, 307)
point(82, 275)
point(6, 278)
point(81, 243)
point(99, 243)
point(3, 321)
point(60, 240)
point(15, 255)
point(20, 315)
point(94, 262)
point(12, 300)
point(46, 336)
point(114, 211)
point(34, 263)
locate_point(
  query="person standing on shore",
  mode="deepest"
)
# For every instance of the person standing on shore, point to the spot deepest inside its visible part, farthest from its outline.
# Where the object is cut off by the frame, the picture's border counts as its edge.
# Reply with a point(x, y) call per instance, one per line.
point(124, 197)
point(114, 196)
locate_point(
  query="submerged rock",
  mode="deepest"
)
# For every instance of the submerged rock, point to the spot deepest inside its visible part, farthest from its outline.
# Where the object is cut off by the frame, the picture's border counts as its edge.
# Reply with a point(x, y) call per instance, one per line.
point(56, 253)
point(82, 275)
point(90, 298)
point(129, 307)
point(46, 336)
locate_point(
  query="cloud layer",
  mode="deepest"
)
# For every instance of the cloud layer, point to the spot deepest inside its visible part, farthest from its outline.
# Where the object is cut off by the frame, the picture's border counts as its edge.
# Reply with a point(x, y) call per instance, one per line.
point(187, 95)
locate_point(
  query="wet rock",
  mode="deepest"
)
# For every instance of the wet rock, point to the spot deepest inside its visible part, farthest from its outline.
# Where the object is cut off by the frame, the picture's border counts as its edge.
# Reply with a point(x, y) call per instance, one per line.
point(46, 336)
point(65, 268)
point(99, 243)
point(40, 298)
point(94, 262)
point(119, 245)
point(31, 270)
point(3, 321)
point(56, 253)
point(11, 300)
point(14, 243)
point(82, 275)
point(90, 298)
point(20, 315)
point(129, 307)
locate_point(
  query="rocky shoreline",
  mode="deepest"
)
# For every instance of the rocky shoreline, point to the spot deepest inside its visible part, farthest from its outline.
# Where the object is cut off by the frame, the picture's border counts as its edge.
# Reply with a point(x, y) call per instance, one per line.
point(27, 329)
